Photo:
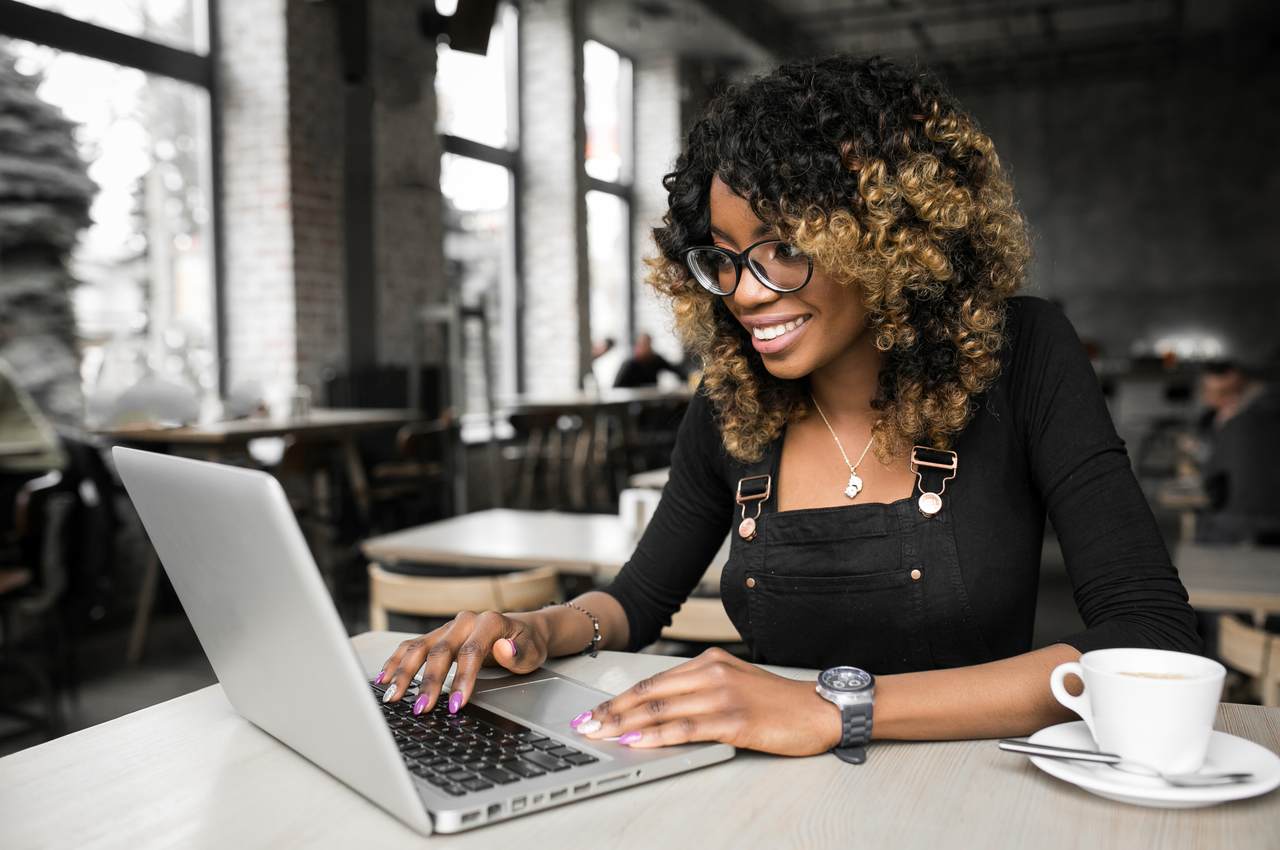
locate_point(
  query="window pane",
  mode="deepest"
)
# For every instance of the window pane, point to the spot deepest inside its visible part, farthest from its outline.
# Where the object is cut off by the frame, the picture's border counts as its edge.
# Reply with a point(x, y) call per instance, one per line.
point(472, 91)
point(607, 249)
point(607, 85)
point(144, 266)
point(178, 23)
point(479, 262)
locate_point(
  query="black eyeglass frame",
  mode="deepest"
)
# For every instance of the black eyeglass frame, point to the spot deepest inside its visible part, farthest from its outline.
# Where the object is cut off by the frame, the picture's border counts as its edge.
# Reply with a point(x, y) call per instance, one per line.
point(739, 260)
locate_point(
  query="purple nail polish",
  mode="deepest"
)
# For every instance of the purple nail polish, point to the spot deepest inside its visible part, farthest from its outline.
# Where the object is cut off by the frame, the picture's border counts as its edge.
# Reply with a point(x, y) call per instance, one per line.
point(455, 702)
point(629, 738)
point(580, 719)
point(420, 704)
point(381, 675)
point(515, 650)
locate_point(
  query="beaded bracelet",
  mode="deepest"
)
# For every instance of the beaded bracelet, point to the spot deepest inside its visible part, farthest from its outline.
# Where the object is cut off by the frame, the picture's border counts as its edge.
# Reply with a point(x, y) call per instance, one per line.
point(592, 648)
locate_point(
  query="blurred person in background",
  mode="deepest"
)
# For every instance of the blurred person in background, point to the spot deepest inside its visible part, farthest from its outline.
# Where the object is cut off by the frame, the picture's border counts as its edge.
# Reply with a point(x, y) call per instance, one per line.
point(1242, 466)
point(644, 366)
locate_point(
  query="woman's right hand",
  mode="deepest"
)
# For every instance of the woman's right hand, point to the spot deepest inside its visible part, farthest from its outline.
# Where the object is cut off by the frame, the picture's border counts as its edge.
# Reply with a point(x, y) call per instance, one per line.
point(513, 641)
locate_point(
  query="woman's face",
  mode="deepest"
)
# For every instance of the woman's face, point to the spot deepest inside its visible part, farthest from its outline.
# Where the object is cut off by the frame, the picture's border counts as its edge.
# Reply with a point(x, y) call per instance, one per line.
point(825, 318)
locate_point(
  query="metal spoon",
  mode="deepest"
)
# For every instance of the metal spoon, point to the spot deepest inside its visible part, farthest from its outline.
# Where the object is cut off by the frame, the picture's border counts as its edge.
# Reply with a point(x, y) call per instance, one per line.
point(1181, 780)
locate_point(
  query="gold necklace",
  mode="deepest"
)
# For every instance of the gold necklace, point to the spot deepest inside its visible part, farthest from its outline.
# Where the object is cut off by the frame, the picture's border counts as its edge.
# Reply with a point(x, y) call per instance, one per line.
point(854, 486)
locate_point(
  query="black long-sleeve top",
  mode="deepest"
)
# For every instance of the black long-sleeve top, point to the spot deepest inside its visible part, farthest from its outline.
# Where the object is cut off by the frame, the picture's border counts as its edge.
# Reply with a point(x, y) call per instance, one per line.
point(1040, 443)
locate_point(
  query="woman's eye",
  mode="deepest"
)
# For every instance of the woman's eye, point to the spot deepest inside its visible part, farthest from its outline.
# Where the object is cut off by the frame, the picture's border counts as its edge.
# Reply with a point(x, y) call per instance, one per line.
point(787, 251)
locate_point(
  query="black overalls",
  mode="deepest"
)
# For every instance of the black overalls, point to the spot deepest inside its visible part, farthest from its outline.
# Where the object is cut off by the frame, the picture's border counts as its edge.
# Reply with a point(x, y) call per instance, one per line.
point(876, 586)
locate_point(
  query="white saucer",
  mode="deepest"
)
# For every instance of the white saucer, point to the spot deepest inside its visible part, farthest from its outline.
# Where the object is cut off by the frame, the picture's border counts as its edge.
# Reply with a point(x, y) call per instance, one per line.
point(1227, 753)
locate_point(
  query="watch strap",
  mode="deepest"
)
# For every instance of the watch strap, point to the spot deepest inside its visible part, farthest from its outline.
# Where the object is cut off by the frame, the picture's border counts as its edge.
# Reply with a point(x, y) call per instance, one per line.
point(855, 733)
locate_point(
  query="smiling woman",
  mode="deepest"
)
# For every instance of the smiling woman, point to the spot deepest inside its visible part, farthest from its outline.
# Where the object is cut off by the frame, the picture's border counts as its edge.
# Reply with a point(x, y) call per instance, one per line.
point(842, 240)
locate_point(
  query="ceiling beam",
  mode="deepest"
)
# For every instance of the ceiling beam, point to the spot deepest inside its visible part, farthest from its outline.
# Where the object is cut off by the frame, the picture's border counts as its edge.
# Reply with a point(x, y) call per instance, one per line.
point(760, 22)
point(881, 18)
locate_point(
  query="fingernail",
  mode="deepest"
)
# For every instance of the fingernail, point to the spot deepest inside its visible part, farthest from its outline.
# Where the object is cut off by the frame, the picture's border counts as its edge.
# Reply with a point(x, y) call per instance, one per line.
point(455, 702)
point(629, 738)
point(584, 716)
point(515, 650)
point(382, 674)
point(390, 694)
point(420, 704)
point(588, 727)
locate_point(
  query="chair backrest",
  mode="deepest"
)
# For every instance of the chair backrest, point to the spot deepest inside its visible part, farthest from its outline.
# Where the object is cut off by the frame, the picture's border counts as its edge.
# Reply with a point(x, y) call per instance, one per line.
point(444, 596)
point(702, 620)
point(1251, 651)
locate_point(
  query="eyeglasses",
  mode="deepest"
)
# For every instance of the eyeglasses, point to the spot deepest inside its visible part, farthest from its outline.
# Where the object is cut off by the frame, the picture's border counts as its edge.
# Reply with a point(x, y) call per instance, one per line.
point(776, 264)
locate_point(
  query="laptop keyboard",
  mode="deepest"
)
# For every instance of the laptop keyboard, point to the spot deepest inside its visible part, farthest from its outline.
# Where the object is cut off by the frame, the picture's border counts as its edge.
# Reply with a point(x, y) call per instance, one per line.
point(473, 750)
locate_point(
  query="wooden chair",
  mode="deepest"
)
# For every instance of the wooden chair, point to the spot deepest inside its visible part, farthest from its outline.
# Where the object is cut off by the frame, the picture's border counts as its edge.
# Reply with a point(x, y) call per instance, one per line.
point(1253, 652)
point(444, 596)
point(702, 620)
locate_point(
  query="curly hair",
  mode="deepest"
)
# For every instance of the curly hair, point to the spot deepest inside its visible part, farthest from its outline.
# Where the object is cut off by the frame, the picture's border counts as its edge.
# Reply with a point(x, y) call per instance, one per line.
point(875, 172)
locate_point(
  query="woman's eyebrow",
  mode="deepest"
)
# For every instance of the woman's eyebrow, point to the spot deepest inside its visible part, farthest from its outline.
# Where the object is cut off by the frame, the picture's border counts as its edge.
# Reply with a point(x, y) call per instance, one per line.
point(761, 230)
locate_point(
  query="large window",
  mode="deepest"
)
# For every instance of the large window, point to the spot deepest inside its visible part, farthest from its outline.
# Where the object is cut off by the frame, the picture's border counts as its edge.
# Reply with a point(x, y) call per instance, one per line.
point(607, 115)
point(145, 267)
point(476, 108)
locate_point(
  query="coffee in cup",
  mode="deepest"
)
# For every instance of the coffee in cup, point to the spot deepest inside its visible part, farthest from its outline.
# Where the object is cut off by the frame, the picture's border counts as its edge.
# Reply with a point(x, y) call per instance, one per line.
point(1148, 705)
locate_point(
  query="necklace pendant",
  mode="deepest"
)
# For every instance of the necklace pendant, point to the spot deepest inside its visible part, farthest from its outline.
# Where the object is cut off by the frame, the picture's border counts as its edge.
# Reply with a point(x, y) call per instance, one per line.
point(855, 486)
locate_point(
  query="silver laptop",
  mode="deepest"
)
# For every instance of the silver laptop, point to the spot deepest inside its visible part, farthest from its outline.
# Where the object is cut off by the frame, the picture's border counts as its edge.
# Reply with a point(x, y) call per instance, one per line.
point(241, 567)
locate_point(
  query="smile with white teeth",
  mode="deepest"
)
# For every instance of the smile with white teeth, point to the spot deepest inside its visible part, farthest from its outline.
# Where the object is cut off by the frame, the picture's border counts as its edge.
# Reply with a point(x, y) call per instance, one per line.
point(778, 330)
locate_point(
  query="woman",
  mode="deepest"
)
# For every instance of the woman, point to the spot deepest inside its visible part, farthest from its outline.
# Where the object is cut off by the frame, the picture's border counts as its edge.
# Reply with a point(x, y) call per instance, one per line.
point(841, 249)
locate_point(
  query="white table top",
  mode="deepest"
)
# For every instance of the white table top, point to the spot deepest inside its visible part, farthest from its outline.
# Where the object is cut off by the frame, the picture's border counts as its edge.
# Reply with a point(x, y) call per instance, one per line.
point(581, 544)
point(320, 423)
point(191, 773)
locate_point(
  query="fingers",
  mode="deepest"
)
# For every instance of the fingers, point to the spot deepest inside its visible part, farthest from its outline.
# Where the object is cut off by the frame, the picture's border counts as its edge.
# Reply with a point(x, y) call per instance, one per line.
point(682, 730)
point(472, 653)
point(657, 711)
point(706, 672)
point(408, 658)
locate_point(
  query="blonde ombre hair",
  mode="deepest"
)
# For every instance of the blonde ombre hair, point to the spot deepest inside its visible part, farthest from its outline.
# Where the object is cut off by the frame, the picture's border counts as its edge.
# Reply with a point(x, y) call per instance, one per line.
point(896, 193)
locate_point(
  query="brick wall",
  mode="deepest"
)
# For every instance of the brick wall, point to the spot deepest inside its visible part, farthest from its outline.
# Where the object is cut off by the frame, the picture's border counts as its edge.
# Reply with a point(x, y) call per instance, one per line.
point(553, 214)
point(1145, 196)
point(408, 225)
point(317, 137)
point(285, 144)
point(258, 234)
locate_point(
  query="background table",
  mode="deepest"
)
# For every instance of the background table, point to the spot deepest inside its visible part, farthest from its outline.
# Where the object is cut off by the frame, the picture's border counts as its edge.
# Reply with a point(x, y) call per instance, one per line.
point(1231, 578)
point(192, 773)
point(216, 440)
point(596, 545)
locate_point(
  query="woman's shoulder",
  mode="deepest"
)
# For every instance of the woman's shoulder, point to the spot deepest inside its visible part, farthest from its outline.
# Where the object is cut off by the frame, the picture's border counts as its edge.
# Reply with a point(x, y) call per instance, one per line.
point(1037, 334)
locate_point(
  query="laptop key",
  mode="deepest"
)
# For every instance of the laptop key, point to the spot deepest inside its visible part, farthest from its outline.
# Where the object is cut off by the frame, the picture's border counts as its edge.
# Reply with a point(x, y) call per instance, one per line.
point(437, 780)
point(476, 784)
point(455, 790)
point(580, 758)
point(562, 751)
point(545, 761)
point(524, 769)
point(498, 775)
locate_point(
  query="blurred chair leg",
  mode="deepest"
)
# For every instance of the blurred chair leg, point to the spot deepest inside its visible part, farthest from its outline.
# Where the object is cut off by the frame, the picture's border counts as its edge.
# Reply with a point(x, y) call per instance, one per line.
point(377, 613)
point(142, 615)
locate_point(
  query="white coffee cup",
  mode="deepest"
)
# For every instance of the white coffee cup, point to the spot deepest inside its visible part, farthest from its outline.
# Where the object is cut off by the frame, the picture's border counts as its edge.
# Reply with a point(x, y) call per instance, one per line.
point(635, 507)
point(1149, 705)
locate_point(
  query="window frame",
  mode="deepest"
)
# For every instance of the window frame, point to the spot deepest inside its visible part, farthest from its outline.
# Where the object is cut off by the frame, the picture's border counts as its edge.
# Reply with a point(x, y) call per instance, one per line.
point(512, 304)
point(623, 187)
point(71, 35)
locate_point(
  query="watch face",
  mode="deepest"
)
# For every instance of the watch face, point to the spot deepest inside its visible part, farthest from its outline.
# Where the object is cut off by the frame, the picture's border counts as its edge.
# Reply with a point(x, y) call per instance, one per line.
point(845, 679)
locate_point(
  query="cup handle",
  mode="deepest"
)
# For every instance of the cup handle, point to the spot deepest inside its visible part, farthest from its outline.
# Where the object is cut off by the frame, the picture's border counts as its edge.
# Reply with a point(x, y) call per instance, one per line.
point(1080, 705)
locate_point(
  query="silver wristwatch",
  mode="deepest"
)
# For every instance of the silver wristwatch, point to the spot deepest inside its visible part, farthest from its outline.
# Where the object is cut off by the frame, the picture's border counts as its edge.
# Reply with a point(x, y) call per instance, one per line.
point(853, 691)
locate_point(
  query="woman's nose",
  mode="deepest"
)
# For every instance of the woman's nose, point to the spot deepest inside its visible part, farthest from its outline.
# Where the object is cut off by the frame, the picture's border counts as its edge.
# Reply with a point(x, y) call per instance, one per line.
point(751, 293)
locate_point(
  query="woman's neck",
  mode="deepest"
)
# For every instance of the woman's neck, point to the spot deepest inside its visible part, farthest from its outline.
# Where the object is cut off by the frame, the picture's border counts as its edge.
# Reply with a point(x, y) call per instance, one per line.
point(846, 386)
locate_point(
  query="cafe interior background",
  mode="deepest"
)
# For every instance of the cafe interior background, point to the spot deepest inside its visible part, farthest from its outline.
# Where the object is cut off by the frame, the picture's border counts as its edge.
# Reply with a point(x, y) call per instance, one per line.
point(428, 222)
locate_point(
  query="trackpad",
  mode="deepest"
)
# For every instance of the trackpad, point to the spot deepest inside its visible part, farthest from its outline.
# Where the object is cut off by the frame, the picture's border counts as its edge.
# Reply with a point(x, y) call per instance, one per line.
point(548, 702)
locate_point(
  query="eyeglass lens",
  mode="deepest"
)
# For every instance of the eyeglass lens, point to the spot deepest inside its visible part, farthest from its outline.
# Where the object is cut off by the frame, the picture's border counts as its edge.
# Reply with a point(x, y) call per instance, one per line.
point(777, 264)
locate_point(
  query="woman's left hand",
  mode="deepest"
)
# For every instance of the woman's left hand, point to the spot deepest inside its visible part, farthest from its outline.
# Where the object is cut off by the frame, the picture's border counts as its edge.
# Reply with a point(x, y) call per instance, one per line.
point(717, 697)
